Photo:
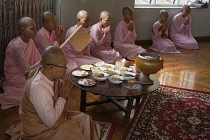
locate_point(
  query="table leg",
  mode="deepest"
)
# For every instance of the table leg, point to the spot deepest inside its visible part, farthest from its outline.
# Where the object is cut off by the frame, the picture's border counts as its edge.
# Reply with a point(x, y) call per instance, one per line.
point(82, 100)
point(128, 109)
point(138, 100)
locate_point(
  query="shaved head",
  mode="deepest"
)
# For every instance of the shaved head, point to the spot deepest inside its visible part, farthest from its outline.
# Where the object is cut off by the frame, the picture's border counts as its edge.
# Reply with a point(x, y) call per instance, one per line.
point(25, 22)
point(185, 7)
point(47, 16)
point(82, 14)
point(105, 14)
point(126, 10)
point(162, 12)
point(52, 55)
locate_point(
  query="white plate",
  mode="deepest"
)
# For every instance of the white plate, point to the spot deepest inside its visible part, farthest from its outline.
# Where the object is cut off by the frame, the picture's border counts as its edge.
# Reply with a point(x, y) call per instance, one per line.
point(86, 82)
point(80, 73)
point(98, 64)
point(86, 67)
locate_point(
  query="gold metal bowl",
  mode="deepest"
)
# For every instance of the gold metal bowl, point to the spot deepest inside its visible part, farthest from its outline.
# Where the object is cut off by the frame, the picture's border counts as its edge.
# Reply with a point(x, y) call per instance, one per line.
point(148, 64)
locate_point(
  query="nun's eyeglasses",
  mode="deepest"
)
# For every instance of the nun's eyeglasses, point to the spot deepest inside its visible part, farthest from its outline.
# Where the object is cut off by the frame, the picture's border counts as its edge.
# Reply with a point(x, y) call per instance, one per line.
point(58, 66)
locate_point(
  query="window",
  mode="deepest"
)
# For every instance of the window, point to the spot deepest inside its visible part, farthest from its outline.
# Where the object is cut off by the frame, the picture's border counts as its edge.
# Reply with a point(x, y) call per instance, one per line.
point(161, 3)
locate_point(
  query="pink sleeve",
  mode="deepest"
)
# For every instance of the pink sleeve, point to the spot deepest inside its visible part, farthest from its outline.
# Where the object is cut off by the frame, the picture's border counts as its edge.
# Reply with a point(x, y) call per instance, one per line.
point(179, 27)
point(155, 30)
point(124, 37)
point(20, 57)
point(134, 35)
point(120, 34)
point(43, 103)
point(43, 41)
point(95, 34)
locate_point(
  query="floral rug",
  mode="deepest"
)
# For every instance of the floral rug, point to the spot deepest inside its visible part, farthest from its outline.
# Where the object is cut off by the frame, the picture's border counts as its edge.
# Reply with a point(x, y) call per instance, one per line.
point(107, 129)
point(172, 114)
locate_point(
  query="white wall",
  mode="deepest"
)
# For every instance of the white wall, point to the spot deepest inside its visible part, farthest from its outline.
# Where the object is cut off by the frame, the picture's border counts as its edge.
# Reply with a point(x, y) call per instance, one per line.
point(144, 17)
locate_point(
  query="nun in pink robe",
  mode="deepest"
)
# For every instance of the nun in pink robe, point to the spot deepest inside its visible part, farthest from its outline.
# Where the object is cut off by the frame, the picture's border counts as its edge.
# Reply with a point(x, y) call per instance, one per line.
point(20, 57)
point(44, 39)
point(181, 30)
point(100, 45)
point(81, 58)
point(46, 36)
point(124, 42)
point(160, 40)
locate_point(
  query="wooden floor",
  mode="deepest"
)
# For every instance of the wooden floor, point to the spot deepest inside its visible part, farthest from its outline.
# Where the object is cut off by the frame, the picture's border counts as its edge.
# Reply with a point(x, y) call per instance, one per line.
point(189, 69)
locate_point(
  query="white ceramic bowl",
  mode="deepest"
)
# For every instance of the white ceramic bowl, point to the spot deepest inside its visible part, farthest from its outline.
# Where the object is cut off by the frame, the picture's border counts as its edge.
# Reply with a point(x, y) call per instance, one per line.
point(128, 75)
point(113, 72)
point(100, 76)
point(108, 66)
point(97, 69)
point(115, 79)
point(124, 69)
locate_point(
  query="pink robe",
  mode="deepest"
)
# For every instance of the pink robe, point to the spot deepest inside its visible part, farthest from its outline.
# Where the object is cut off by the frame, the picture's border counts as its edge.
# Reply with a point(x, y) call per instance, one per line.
point(43, 115)
point(124, 42)
point(81, 58)
point(100, 45)
point(161, 44)
point(20, 57)
point(44, 39)
point(181, 34)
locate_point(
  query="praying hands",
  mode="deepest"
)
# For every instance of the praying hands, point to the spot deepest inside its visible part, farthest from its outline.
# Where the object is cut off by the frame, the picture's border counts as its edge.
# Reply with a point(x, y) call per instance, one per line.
point(106, 30)
point(59, 34)
point(65, 88)
point(131, 26)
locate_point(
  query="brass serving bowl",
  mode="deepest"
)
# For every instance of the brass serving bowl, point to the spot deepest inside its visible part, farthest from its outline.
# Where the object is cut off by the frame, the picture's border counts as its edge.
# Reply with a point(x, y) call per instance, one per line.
point(148, 64)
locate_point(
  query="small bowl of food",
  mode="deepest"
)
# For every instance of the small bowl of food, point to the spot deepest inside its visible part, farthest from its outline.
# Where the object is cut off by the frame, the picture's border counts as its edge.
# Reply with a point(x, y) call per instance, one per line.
point(113, 72)
point(124, 69)
point(100, 76)
point(128, 75)
point(108, 66)
point(97, 69)
point(115, 79)
point(98, 64)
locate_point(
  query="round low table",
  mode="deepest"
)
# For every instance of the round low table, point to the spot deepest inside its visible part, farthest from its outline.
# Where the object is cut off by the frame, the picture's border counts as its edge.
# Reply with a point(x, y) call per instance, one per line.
point(110, 91)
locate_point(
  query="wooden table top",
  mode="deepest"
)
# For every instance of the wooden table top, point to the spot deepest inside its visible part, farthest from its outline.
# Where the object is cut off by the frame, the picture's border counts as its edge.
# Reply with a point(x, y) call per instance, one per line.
point(106, 88)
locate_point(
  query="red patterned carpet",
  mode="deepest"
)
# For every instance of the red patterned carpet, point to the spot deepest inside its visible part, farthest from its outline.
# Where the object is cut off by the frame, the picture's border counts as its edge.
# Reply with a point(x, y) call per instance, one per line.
point(107, 129)
point(172, 114)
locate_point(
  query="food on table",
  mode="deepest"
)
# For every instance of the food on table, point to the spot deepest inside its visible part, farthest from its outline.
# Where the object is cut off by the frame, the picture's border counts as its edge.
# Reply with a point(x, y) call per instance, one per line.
point(97, 69)
point(99, 75)
point(123, 69)
point(99, 63)
point(86, 67)
point(80, 73)
point(107, 66)
point(86, 82)
point(112, 73)
point(115, 78)
point(127, 75)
